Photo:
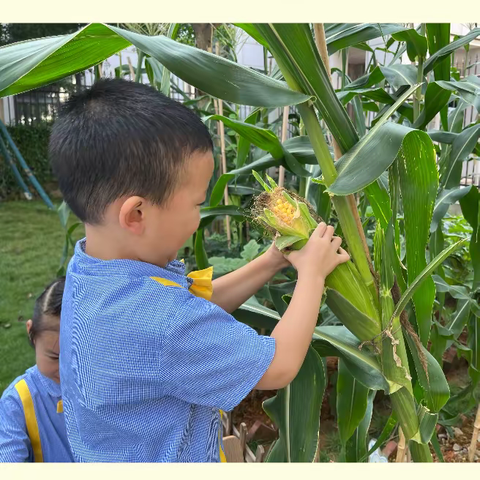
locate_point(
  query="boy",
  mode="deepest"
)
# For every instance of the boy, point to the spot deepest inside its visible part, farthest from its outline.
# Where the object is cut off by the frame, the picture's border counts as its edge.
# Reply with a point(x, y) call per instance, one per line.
point(145, 365)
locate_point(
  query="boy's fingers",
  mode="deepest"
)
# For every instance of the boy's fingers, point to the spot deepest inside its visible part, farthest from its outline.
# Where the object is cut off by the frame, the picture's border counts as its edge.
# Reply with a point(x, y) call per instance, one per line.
point(336, 242)
point(320, 230)
point(343, 254)
point(329, 232)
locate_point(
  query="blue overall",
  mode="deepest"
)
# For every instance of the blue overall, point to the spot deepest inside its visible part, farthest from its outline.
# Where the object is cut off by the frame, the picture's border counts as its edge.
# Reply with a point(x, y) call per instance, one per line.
point(32, 425)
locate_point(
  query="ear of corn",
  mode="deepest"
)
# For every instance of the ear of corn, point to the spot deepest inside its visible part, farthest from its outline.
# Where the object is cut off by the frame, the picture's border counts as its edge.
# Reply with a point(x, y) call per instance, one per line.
point(290, 221)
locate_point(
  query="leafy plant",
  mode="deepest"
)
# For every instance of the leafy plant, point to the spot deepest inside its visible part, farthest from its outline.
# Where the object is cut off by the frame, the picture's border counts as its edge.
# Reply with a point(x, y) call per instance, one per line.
point(223, 265)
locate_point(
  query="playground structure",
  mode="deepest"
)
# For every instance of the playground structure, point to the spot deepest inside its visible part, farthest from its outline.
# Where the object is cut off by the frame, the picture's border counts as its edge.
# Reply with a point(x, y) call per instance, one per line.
point(7, 142)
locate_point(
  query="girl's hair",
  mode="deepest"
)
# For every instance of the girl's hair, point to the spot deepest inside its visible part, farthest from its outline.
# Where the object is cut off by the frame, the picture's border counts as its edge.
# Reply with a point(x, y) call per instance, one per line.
point(48, 303)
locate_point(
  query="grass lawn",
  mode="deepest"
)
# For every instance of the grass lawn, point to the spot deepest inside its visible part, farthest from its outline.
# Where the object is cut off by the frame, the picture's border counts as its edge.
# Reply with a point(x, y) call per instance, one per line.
point(31, 244)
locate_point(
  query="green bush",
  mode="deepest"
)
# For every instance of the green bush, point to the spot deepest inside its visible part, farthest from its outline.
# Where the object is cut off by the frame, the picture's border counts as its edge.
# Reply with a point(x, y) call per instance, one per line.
point(32, 141)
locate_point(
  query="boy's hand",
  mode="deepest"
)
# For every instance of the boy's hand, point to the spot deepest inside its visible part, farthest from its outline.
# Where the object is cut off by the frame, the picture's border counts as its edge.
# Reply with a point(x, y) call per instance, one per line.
point(276, 259)
point(319, 257)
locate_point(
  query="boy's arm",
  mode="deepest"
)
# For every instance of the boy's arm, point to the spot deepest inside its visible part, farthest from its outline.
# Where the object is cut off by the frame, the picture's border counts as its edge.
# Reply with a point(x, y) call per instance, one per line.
point(293, 333)
point(235, 288)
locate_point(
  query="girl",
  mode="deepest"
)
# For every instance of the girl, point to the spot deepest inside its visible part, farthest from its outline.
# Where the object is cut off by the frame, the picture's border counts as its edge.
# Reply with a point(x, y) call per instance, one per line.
point(32, 427)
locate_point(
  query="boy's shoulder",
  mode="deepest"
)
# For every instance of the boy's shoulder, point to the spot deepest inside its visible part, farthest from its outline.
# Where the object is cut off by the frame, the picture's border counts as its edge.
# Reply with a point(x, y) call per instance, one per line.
point(127, 291)
point(11, 395)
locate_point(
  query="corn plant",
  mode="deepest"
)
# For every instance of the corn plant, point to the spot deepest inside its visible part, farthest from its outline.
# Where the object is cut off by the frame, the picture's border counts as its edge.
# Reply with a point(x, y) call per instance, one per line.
point(384, 304)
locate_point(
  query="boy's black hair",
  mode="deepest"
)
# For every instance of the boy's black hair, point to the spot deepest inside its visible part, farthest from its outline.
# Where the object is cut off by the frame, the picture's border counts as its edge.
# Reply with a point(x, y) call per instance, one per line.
point(49, 303)
point(122, 138)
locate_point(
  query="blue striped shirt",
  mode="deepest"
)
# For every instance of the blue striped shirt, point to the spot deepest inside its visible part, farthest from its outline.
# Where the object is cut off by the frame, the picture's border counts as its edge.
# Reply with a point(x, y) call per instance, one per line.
point(15, 443)
point(146, 367)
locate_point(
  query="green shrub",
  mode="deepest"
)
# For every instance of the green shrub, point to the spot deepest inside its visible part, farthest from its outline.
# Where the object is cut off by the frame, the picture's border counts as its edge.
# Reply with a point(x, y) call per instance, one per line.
point(32, 141)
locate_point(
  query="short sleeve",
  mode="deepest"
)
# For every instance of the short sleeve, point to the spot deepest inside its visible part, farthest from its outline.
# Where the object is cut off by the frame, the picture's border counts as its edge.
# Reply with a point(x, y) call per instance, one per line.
point(14, 441)
point(209, 358)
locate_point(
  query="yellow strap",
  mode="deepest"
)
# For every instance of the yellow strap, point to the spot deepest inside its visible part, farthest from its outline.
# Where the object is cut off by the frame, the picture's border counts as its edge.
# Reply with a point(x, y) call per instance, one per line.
point(202, 283)
point(164, 281)
point(223, 459)
point(30, 419)
point(60, 406)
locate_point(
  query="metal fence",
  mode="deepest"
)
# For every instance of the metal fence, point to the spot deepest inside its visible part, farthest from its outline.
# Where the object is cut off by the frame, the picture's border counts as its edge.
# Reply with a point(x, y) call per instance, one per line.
point(37, 106)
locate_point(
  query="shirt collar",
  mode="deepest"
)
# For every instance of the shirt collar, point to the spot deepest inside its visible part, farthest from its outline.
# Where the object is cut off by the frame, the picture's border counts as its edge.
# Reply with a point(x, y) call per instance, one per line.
point(85, 264)
point(50, 386)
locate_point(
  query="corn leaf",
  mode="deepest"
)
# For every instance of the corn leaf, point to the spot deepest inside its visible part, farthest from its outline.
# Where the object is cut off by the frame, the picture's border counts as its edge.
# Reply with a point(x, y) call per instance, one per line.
point(460, 317)
point(253, 32)
point(256, 315)
point(436, 97)
point(397, 76)
point(444, 200)
point(208, 214)
point(416, 43)
point(455, 117)
point(351, 403)
point(428, 422)
point(379, 95)
point(450, 169)
point(364, 164)
point(470, 204)
point(363, 365)
point(366, 81)
point(403, 404)
point(442, 137)
point(31, 64)
point(201, 257)
point(437, 57)
point(297, 56)
point(464, 143)
point(264, 139)
point(385, 435)
point(277, 293)
point(357, 445)
point(287, 241)
point(47, 60)
point(400, 75)
point(393, 352)
point(298, 147)
point(423, 275)
point(438, 35)
point(467, 88)
point(362, 326)
point(295, 410)
point(456, 291)
point(435, 386)
point(243, 144)
point(474, 346)
point(342, 35)
point(436, 447)
point(418, 186)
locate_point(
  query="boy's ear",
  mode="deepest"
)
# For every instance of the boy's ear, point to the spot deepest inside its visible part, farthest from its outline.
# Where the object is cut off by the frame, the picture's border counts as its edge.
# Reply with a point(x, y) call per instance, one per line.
point(132, 215)
point(29, 326)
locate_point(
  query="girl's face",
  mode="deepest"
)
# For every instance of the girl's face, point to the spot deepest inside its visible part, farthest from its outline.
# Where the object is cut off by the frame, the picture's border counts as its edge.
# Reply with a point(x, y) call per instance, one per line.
point(47, 350)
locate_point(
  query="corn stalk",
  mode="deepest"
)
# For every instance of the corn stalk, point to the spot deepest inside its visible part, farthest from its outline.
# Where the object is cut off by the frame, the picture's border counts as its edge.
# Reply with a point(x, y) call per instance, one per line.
point(392, 345)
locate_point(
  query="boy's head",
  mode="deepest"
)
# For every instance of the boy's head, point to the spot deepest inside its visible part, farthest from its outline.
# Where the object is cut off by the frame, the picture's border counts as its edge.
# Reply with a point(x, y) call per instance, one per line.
point(44, 328)
point(134, 166)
